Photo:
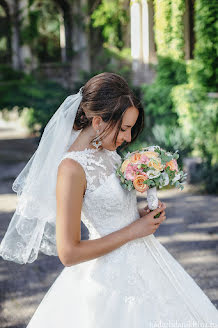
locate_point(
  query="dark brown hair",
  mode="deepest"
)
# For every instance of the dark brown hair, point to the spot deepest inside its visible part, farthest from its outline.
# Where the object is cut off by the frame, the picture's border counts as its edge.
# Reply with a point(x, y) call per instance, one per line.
point(108, 96)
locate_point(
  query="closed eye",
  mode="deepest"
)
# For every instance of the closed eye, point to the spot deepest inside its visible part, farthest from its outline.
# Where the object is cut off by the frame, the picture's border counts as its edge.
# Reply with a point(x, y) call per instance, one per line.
point(123, 130)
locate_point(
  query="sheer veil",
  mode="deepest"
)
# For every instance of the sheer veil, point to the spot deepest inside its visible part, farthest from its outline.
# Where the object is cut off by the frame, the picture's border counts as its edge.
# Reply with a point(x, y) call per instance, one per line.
point(33, 225)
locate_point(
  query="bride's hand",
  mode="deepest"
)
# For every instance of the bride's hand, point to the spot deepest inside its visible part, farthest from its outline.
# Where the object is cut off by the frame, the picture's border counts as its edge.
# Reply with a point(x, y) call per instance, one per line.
point(145, 210)
point(147, 224)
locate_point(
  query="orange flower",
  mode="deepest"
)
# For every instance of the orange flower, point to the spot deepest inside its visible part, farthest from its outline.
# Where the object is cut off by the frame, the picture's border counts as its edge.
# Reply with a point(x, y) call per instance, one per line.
point(172, 165)
point(155, 163)
point(124, 165)
point(138, 183)
point(150, 154)
point(135, 158)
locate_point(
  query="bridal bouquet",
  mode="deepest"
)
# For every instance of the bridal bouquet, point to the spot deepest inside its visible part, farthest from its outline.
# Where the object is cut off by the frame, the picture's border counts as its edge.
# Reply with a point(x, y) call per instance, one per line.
point(149, 169)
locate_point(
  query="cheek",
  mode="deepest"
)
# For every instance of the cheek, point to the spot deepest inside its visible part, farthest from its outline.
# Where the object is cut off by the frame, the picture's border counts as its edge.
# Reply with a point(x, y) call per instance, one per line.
point(109, 138)
point(120, 136)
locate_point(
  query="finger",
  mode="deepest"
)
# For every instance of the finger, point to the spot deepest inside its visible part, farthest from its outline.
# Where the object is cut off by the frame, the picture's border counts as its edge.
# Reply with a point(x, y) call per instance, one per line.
point(158, 210)
point(162, 214)
point(159, 220)
point(146, 209)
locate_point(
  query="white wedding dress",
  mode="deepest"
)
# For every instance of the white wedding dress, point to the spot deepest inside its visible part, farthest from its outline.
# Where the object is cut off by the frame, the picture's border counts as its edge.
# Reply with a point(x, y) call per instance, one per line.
point(137, 285)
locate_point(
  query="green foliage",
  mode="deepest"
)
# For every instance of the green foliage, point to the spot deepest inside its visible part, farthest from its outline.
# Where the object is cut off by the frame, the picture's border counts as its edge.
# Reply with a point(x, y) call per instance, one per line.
point(40, 96)
point(8, 73)
point(177, 29)
point(169, 28)
point(162, 27)
point(110, 61)
point(204, 69)
point(197, 112)
point(171, 138)
point(156, 97)
point(113, 18)
point(171, 71)
point(198, 115)
point(41, 28)
point(161, 126)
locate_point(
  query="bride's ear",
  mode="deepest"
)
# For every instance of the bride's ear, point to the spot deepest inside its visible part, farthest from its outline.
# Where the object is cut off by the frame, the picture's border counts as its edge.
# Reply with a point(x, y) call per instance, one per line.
point(96, 122)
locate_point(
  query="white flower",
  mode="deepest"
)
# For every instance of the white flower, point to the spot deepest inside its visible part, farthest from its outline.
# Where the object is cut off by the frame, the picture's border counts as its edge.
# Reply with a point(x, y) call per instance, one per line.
point(164, 181)
point(153, 174)
point(152, 148)
point(176, 178)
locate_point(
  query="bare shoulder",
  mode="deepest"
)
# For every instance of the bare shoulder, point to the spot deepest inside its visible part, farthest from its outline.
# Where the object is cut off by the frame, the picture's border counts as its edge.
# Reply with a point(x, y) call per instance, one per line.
point(70, 170)
point(70, 166)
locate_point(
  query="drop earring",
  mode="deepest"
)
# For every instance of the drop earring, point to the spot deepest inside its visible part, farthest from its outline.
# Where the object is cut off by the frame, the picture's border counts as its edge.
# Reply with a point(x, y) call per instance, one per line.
point(97, 142)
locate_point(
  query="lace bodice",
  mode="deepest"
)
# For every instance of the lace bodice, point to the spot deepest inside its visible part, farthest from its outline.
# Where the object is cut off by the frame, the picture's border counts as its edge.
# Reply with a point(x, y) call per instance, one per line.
point(97, 164)
point(107, 206)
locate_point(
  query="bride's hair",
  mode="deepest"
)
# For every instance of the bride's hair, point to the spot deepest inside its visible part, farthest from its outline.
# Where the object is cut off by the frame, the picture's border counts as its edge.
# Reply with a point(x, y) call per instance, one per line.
point(108, 96)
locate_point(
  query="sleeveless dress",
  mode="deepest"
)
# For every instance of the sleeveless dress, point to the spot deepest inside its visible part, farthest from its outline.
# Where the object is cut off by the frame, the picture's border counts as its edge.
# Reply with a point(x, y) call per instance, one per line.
point(138, 285)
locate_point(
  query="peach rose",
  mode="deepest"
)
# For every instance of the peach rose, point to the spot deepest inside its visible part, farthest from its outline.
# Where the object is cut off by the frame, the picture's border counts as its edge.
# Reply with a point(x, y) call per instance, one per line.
point(124, 165)
point(138, 183)
point(172, 165)
point(135, 158)
point(156, 164)
point(150, 154)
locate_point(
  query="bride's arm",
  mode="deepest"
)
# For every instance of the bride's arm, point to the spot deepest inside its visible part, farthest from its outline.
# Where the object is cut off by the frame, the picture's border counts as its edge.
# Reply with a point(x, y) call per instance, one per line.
point(70, 188)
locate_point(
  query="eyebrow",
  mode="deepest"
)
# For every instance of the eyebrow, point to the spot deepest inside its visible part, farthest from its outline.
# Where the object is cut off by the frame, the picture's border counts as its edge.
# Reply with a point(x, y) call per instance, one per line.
point(129, 126)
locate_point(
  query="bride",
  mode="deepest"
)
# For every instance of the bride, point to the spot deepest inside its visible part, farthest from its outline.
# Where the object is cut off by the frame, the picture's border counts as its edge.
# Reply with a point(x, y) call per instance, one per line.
point(122, 276)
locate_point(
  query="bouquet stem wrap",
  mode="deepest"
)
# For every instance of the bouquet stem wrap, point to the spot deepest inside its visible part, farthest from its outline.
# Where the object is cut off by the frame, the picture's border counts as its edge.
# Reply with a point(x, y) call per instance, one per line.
point(152, 198)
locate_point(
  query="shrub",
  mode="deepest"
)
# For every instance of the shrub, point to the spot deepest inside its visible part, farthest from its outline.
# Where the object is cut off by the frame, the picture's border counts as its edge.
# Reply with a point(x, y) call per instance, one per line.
point(43, 97)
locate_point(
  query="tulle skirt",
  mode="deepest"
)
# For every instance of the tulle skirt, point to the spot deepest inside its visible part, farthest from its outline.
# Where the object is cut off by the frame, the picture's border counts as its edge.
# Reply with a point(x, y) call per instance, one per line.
point(138, 285)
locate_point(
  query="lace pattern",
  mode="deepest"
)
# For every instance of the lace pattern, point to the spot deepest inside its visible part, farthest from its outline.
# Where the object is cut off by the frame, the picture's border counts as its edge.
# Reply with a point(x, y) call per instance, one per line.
point(96, 168)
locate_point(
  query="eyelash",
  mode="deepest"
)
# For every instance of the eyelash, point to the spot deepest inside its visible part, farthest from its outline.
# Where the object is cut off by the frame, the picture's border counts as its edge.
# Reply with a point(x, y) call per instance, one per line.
point(123, 130)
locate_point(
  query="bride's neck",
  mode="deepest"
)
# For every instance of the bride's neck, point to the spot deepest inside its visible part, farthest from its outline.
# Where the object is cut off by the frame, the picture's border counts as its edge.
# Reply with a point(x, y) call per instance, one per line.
point(84, 139)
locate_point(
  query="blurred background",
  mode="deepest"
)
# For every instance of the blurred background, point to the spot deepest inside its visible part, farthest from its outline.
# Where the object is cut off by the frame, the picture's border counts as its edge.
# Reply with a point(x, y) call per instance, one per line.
point(167, 51)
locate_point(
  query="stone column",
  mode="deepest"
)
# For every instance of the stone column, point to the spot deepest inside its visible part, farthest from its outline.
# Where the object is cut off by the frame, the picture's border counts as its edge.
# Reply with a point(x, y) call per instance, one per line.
point(148, 45)
point(81, 58)
point(15, 37)
point(136, 34)
point(62, 41)
point(22, 57)
point(142, 41)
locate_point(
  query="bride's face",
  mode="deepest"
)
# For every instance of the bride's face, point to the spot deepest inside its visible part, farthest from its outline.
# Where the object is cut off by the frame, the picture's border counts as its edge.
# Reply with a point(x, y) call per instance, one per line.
point(129, 119)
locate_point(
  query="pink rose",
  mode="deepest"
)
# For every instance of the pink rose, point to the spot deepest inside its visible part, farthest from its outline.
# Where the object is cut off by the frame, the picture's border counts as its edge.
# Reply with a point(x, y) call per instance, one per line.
point(144, 159)
point(130, 172)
